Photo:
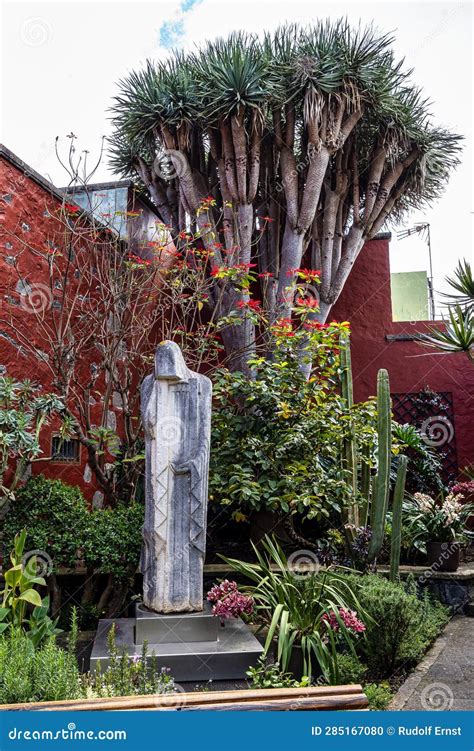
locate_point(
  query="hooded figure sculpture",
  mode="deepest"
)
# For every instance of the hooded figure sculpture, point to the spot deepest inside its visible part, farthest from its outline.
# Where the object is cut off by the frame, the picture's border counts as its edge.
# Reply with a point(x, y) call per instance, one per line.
point(176, 413)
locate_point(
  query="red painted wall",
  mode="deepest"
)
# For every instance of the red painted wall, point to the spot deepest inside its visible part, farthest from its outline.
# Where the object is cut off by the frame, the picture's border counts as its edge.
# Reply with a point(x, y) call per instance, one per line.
point(366, 303)
point(26, 229)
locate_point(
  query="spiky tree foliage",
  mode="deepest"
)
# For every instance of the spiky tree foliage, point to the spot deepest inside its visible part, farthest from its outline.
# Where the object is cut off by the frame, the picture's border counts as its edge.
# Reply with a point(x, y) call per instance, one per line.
point(317, 129)
point(458, 334)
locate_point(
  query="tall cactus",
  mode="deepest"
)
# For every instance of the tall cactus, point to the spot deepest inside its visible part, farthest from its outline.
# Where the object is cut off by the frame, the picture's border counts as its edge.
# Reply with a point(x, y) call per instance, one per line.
point(349, 448)
point(379, 503)
point(397, 504)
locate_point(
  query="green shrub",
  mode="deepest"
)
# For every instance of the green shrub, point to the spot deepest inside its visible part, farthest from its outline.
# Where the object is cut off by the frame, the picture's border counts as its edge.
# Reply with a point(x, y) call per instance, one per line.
point(379, 695)
point(47, 673)
point(401, 625)
point(276, 438)
point(351, 669)
point(55, 515)
point(60, 524)
point(113, 540)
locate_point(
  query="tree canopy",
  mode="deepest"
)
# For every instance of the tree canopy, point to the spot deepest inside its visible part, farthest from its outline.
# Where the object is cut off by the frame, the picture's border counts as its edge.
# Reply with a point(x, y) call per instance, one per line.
point(309, 141)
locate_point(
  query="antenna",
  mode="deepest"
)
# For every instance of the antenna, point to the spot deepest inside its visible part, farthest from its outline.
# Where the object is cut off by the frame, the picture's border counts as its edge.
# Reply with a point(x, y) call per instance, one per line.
point(423, 230)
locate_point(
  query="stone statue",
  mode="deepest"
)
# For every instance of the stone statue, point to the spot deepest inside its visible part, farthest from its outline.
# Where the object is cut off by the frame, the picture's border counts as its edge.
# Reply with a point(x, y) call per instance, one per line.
point(176, 413)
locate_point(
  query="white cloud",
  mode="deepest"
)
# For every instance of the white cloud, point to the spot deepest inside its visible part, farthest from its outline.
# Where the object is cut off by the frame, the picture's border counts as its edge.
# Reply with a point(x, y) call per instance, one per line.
point(61, 62)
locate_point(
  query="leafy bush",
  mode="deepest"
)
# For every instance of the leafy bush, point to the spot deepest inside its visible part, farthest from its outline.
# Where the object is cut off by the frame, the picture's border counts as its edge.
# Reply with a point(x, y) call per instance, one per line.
point(277, 438)
point(351, 669)
point(50, 673)
point(379, 695)
point(105, 541)
point(113, 540)
point(401, 625)
point(27, 674)
point(55, 515)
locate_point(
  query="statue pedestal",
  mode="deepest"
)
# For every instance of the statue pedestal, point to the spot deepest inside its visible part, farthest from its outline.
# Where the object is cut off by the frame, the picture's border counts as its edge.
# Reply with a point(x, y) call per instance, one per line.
point(194, 646)
point(171, 628)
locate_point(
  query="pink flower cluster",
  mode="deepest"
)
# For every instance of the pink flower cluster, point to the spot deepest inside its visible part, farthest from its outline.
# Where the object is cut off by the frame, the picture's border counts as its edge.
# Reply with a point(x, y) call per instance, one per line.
point(229, 602)
point(348, 617)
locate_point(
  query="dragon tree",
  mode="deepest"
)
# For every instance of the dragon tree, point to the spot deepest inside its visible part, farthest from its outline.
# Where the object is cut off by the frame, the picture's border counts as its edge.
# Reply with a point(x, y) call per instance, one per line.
point(308, 141)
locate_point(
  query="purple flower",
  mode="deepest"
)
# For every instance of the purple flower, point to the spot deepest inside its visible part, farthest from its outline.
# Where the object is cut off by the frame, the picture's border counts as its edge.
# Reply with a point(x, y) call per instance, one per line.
point(349, 619)
point(228, 601)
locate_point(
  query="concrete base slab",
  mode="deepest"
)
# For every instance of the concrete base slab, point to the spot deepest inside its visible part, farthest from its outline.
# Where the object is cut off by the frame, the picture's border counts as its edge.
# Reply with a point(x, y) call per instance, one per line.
point(167, 628)
point(226, 658)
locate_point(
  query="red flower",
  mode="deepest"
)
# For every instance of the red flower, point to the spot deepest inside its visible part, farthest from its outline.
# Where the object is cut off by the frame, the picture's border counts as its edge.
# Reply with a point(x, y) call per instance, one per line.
point(265, 275)
point(314, 326)
point(307, 302)
point(71, 208)
point(252, 304)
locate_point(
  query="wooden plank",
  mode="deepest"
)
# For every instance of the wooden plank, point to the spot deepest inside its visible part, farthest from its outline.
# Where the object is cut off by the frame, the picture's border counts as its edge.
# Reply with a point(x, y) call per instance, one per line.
point(194, 698)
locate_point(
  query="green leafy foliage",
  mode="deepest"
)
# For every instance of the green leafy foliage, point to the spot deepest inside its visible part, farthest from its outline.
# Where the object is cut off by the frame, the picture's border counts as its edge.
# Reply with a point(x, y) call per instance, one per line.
point(269, 675)
point(424, 466)
point(441, 519)
point(277, 438)
point(113, 540)
point(458, 332)
point(401, 626)
point(20, 595)
point(379, 695)
point(55, 515)
point(351, 669)
point(60, 523)
point(294, 606)
point(24, 411)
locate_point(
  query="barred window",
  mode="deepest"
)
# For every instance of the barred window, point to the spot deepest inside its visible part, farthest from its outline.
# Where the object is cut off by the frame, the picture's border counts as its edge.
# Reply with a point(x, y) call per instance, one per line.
point(65, 450)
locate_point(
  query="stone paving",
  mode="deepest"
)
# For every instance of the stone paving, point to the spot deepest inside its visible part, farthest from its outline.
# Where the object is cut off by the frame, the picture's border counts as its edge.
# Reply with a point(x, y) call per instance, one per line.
point(445, 677)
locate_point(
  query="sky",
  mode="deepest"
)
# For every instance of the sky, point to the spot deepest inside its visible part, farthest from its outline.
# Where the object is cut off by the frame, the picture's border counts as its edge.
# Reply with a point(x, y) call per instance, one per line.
point(61, 61)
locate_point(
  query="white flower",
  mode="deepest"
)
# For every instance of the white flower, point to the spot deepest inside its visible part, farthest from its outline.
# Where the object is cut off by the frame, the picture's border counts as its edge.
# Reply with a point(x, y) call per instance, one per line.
point(451, 509)
point(425, 502)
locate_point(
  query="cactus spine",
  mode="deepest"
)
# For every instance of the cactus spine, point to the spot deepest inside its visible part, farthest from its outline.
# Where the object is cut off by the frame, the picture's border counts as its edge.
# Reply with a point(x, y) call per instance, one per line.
point(379, 504)
point(397, 504)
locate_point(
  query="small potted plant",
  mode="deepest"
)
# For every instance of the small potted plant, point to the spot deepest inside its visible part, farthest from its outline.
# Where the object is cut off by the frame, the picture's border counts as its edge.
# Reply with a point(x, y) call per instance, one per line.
point(438, 528)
